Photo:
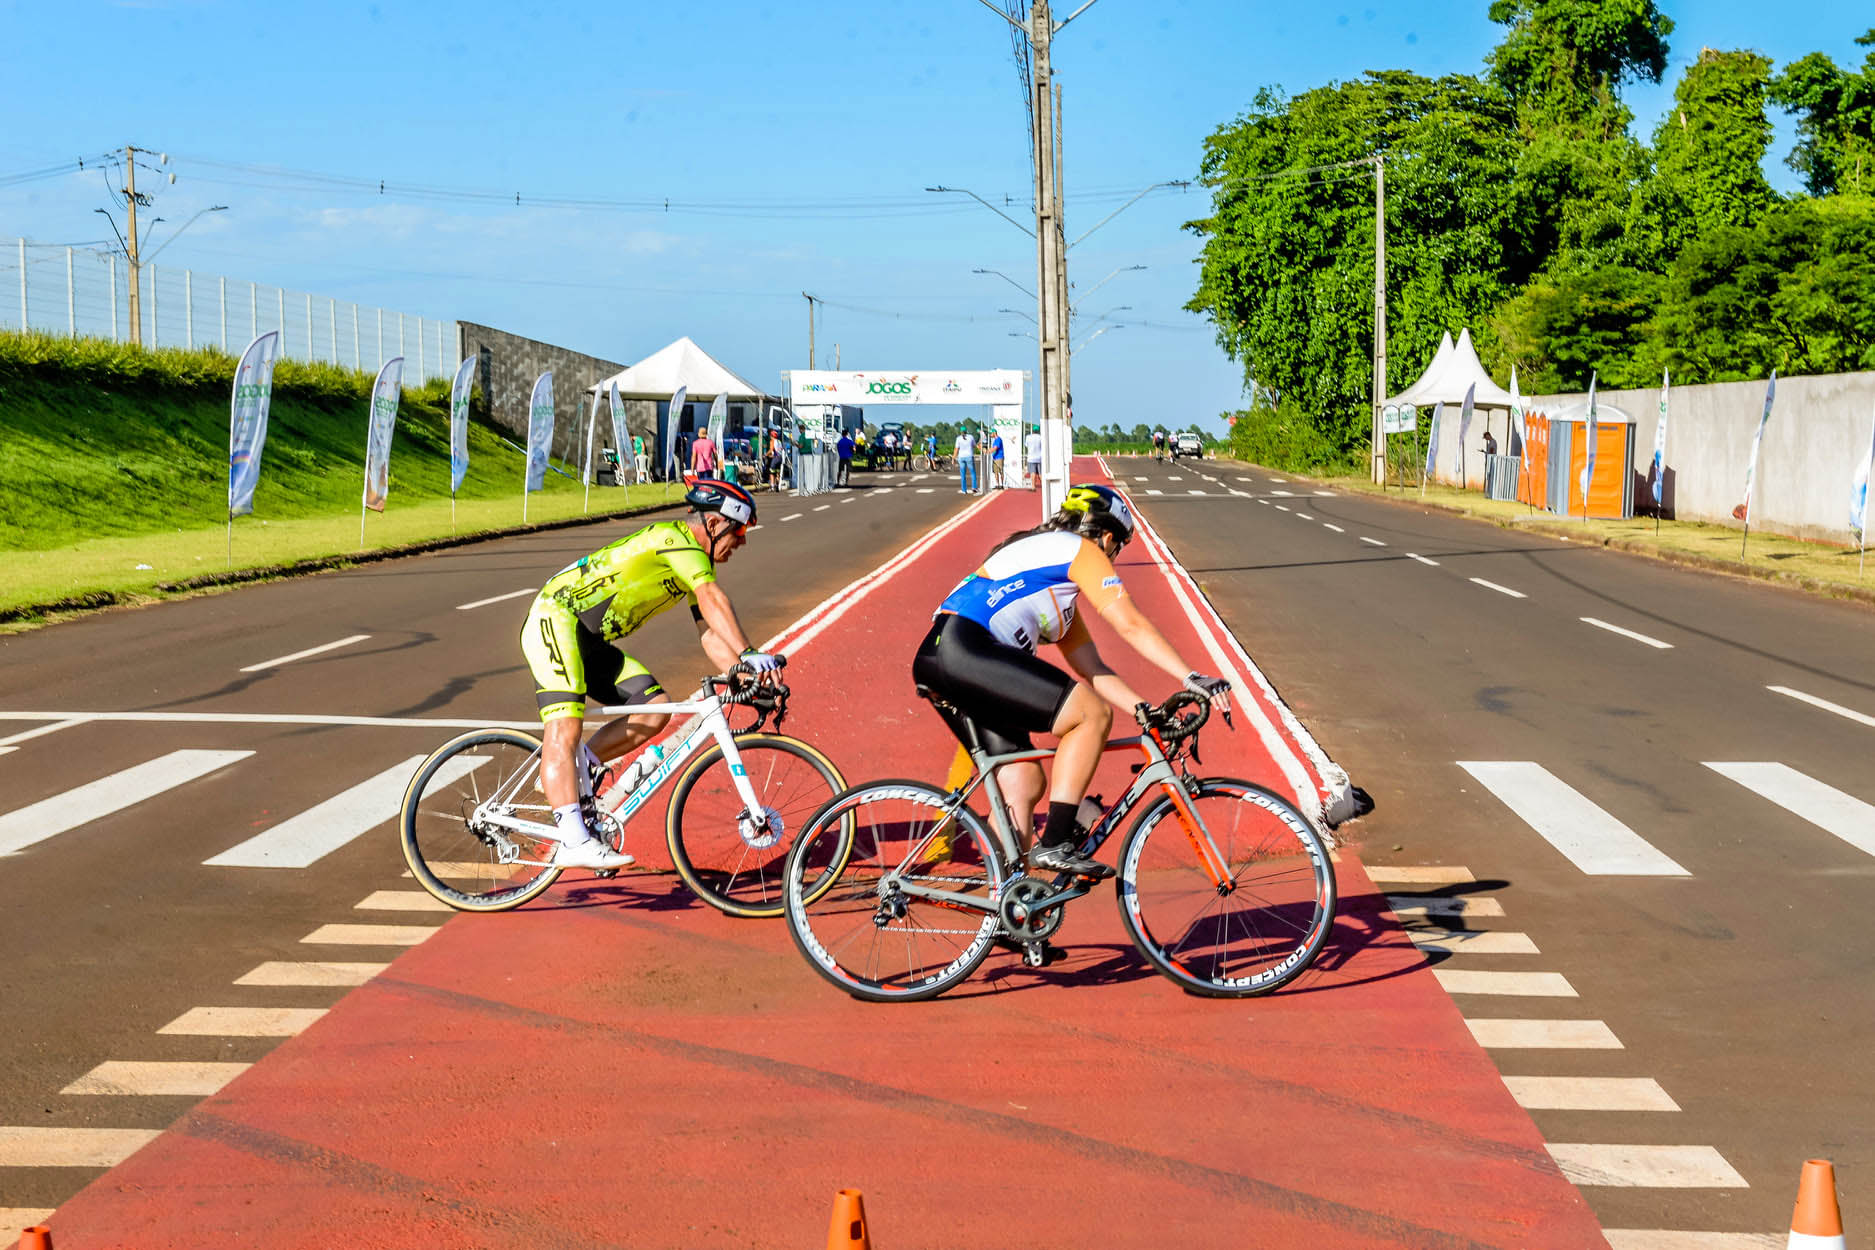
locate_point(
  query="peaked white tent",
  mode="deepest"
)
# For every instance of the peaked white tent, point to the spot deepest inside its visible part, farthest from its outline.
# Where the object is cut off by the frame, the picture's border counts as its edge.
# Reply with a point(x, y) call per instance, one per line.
point(684, 364)
point(1454, 369)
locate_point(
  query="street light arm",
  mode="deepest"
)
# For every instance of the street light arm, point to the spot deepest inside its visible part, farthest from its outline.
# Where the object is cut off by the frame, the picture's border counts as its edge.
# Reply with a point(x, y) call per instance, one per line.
point(1012, 21)
point(1070, 17)
point(125, 247)
point(1136, 199)
point(1006, 278)
point(214, 208)
point(985, 203)
point(1103, 282)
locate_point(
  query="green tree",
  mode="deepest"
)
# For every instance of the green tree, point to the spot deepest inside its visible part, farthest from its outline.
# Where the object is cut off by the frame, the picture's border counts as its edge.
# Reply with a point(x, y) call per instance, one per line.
point(1563, 61)
point(1709, 151)
point(1836, 121)
point(1561, 328)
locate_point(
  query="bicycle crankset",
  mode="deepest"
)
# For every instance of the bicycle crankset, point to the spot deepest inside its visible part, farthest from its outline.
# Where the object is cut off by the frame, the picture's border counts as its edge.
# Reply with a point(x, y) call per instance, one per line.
point(1022, 920)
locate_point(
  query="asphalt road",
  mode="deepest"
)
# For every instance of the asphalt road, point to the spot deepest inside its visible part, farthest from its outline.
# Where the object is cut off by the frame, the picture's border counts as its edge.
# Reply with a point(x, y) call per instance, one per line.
point(1734, 976)
point(116, 928)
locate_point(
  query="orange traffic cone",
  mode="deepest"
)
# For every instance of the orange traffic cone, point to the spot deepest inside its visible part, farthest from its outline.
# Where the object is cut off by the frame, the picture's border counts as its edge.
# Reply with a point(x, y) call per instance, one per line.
point(38, 1237)
point(1816, 1223)
point(847, 1231)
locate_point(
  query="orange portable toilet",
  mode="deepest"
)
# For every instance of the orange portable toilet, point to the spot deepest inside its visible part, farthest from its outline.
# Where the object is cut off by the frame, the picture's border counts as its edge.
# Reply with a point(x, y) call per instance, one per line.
point(1611, 490)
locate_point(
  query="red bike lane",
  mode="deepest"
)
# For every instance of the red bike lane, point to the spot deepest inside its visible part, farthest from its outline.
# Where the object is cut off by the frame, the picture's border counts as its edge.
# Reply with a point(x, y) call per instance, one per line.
point(618, 1065)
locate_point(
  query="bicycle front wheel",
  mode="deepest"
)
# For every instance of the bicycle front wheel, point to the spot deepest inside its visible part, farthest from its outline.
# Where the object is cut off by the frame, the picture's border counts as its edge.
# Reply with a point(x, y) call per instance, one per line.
point(452, 841)
point(1256, 931)
point(734, 863)
point(912, 908)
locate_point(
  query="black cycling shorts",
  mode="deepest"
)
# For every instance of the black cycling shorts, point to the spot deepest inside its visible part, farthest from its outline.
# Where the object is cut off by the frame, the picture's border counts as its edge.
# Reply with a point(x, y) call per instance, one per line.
point(1008, 692)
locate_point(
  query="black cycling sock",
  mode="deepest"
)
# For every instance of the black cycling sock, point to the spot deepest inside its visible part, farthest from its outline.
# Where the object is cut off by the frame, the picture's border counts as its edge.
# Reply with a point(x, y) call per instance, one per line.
point(1059, 831)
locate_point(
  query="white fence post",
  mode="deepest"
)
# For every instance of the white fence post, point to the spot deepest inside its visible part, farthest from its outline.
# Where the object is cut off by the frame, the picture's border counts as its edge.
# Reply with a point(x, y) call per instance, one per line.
point(332, 325)
point(253, 312)
point(113, 277)
point(356, 363)
point(380, 363)
point(188, 308)
point(282, 293)
point(71, 298)
point(23, 325)
point(400, 334)
point(155, 333)
point(422, 375)
point(311, 355)
point(224, 314)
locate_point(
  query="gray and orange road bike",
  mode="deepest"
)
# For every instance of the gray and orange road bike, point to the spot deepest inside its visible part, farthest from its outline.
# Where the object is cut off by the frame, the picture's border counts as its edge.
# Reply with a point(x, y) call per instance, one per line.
point(479, 835)
point(1223, 885)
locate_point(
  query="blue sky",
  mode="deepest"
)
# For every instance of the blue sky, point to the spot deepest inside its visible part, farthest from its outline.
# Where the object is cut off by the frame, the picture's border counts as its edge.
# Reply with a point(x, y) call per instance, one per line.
point(804, 134)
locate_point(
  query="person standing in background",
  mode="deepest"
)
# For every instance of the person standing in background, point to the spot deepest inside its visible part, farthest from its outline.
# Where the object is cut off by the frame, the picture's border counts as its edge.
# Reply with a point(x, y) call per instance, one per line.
point(996, 461)
point(703, 455)
point(845, 450)
point(966, 452)
point(1034, 451)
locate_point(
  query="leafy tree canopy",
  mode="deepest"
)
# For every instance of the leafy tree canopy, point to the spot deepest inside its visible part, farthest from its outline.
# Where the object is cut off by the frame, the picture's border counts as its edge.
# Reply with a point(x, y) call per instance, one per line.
point(1836, 121)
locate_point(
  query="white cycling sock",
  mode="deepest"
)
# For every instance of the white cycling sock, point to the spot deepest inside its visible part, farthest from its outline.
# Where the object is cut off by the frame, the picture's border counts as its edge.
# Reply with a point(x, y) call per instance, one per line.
point(572, 823)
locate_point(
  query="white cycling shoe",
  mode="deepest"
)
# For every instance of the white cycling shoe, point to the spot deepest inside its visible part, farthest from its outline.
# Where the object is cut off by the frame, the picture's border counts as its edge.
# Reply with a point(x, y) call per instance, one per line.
point(592, 853)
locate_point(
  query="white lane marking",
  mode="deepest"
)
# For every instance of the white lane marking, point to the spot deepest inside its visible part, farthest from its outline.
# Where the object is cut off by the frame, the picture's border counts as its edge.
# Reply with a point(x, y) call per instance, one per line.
point(1373, 541)
point(1282, 507)
point(1174, 478)
point(1197, 492)
point(849, 499)
point(1279, 480)
point(877, 490)
point(927, 490)
point(823, 507)
point(1417, 874)
point(124, 1076)
point(1502, 590)
point(1586, 835)
point(1241, 494)
point(1515, 984)
point(243, 1021)
point(1329, 493)
point(1304, 516)
point(1826, 807)
point(300, 655)
point(8, 750)
point(1655, 1167)
point(262, 718)
point(1282, 494)
point(1860, 717)
point(370, 934)
point(1471, 941)
point(303, 840)
point(97, 799)
point(1679, 1239)
point(34, 1147)
point(1543, 1034)
point(28, 735)
point(755, 527)
point(1589, 1093)
point(1155, 492)
point(1404, 905)
point(401, 900)
point(1628, 633)
point(794, 516)
point(482, 603)
point(1422, 559)
point(281, 972)
point(1336, 528)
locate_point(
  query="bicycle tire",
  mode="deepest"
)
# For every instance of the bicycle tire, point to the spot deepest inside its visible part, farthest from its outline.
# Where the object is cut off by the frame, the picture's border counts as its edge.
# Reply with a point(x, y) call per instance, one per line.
point(1283, 878)
point(460, 861)
point(847, 929)
point(746, 886)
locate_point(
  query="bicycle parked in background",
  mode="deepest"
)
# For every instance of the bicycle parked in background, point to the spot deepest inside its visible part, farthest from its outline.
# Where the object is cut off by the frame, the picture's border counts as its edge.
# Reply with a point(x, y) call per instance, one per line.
point(479, 835)
point(1223, 885)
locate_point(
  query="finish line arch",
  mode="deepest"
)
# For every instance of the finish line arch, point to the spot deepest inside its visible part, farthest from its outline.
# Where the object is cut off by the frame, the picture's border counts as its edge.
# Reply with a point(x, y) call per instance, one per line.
point(1001, 390)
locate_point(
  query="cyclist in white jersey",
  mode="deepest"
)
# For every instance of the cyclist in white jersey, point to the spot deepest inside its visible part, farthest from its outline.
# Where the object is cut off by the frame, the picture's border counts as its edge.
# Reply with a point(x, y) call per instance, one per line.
point(979, 658)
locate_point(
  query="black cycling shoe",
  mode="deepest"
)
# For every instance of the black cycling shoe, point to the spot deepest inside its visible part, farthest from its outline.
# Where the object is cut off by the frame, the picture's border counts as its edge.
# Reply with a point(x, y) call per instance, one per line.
point(1064, 858)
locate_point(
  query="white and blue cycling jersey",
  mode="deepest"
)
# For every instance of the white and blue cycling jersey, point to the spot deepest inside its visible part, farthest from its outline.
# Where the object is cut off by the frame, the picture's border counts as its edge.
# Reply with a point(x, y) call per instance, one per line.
point(1027, 593)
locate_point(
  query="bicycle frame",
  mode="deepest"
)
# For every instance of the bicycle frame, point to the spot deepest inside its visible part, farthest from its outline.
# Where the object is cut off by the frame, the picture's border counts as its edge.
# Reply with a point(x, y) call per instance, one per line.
point(1157, 772)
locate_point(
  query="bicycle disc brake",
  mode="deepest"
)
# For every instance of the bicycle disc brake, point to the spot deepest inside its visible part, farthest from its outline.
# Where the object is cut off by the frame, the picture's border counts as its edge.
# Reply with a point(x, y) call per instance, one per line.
point(761, 831)
point(1022, 920)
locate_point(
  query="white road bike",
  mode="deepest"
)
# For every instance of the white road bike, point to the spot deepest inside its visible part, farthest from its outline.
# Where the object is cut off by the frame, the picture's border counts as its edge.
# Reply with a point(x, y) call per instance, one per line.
point(479, 834)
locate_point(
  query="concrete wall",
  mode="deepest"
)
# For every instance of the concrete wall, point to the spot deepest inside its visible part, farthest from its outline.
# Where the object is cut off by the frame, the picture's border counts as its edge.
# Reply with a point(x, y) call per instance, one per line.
point(509, 365)
point(1819, 426)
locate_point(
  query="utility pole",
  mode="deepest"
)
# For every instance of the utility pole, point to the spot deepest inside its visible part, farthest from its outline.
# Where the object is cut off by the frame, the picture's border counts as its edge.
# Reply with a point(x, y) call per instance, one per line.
point(1049, 266)
point(1380, 317)
point(130, 246)
point(810, 329)
point(1063, 313)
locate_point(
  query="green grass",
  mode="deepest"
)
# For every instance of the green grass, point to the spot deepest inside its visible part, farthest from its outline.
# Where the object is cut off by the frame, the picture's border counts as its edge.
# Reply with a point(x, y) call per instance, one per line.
point(113, 457)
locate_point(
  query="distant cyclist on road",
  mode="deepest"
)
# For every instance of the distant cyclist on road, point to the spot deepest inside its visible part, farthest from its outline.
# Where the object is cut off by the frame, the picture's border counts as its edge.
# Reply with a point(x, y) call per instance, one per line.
point(980, 658)
point(1158, 445)
point(572, 635)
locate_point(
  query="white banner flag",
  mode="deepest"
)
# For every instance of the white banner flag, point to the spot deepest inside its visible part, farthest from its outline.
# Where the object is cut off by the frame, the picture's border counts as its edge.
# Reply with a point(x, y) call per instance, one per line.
point(1751, 466)
point(1516, 412)
point(1432, 439)
point(247, 421)
point(1588, 456)
point(620, 443)
point(719, 427)
point(539, 431)
point(459, 423)
point(592, 422)
point(1464, 428)
point(385, 393)
point(1858, 486)
point(1660, 442)
point(671, 421)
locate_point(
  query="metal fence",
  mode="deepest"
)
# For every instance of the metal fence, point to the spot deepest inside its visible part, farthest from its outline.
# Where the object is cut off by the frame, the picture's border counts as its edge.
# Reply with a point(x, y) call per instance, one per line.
point(85, 293)
point(1500, 476)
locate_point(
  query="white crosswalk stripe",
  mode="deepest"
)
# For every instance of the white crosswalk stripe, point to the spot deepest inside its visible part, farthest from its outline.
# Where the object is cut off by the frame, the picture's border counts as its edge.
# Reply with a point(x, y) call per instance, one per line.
point(1587, 836)
point(303, 840)
point(97, 799)
point(1826, 807)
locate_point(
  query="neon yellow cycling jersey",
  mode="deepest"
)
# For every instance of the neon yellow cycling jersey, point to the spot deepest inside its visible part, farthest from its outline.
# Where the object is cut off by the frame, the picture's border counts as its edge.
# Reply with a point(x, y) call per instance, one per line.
point(619, 587)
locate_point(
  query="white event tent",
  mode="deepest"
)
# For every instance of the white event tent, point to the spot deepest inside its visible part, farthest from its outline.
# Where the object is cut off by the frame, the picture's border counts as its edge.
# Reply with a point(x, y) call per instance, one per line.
point(683, 364)
point(1455, 369)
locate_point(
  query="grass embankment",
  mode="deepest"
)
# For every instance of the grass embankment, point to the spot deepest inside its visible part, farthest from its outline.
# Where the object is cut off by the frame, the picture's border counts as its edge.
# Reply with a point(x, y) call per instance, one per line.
point(114, 471)
point(1814, 566)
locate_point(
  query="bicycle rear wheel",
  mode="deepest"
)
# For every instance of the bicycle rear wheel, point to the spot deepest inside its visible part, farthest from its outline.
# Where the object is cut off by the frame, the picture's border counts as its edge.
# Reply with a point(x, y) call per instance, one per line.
point(1250, 938)
point(455, 851)
point(732, 864)
point(867, 931)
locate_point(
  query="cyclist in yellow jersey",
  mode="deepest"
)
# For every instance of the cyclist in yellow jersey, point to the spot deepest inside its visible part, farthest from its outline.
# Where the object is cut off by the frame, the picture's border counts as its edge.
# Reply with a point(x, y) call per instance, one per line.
point(577, 620)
